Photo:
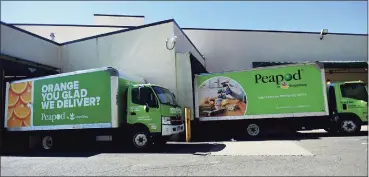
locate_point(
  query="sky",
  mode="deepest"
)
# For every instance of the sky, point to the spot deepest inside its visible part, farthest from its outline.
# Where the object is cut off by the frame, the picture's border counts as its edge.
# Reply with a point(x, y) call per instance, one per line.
point(310, 16)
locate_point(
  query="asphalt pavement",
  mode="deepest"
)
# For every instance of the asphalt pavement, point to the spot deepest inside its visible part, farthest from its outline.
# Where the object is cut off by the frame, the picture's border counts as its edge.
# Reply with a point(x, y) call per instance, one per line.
point(313, 153)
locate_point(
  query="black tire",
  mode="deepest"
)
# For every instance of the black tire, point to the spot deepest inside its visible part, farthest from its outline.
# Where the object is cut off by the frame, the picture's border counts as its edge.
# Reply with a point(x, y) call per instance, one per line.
point(47, 143)
point(141, 139)
point(349, 126)
point(253, 130)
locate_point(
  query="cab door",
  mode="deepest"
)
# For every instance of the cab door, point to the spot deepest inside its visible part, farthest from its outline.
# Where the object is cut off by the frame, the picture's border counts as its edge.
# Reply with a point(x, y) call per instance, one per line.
point(354, 99)
point(144, 108)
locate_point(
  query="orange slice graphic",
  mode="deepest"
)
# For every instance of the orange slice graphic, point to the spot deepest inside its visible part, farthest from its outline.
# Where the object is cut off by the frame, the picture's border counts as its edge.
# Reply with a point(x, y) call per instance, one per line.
point(14, 122)
point(12, 99)
point(10, 113)
point(26, 96)
point(21, 111)
point(19, 88)
point(26, 122)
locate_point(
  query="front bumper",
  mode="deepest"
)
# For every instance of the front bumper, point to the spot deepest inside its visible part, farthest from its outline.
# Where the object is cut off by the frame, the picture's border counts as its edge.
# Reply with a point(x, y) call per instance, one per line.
point(168, 130)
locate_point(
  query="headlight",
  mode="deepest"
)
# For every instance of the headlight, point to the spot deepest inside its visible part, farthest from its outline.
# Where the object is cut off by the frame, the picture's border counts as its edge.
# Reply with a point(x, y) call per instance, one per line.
point(165, 120)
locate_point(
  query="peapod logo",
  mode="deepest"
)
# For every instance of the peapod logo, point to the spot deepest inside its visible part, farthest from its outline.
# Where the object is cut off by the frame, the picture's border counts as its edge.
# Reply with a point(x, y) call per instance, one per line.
point(62, 116)
point(280, 80)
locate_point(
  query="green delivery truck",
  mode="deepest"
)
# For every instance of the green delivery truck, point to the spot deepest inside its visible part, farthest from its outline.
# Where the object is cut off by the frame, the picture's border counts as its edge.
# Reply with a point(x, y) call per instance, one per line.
point(284, 97)
point(99, 104)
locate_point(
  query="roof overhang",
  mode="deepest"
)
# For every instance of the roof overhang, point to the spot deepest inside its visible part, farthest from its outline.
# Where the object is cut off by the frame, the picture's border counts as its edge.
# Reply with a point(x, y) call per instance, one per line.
point(327, 64)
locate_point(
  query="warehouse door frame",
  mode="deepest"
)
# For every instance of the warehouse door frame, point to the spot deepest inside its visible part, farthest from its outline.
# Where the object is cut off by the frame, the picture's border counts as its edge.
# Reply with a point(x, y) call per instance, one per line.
point(18, 69)
point(196, 68)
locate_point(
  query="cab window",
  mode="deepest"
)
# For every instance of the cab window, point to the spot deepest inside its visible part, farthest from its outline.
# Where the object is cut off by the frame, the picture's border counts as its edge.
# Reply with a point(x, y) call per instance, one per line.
point(354, 91)
point(143, 96)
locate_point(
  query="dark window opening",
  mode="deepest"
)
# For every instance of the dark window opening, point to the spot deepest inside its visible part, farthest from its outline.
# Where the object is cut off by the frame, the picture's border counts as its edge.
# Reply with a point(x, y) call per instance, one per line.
point(354, 91)
point(144, 95)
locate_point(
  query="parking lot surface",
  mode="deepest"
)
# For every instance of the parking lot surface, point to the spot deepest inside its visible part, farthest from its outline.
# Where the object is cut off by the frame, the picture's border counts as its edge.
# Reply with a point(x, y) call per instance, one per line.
point(302, 154)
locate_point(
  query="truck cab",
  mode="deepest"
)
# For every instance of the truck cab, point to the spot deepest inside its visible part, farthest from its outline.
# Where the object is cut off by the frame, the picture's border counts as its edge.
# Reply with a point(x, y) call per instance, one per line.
point(348, 106)
point(155, 114)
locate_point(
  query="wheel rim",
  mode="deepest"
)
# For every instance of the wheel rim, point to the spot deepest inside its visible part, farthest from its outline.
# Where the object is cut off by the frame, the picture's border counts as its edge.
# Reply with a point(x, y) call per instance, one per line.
point(348, 126)
point(253, 129)
point(140, 140)
point(47, 142)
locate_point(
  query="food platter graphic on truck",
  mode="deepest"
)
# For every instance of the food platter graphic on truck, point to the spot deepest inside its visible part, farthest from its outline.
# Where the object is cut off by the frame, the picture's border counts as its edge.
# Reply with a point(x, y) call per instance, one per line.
point(222, 96)
point(253, 93)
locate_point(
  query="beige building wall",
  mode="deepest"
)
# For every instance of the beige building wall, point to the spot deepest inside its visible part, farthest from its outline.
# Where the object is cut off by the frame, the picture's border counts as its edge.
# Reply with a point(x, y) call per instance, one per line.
point(141, 52)
point(227, 50)
point(68, 33)
point(26, 46)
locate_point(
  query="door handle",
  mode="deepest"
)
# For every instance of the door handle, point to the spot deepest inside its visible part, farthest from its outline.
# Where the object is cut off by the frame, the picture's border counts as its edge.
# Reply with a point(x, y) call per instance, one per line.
point(133, 113)
point(344, 106)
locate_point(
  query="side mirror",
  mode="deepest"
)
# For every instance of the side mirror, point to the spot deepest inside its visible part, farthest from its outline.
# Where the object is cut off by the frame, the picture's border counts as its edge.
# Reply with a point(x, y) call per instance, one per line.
point(146, 107)
point(139, 92)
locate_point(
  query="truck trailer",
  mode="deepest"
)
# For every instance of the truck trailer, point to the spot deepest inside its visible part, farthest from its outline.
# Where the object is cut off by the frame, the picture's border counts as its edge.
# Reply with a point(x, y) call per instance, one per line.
point(101, 104)
point(285, 97)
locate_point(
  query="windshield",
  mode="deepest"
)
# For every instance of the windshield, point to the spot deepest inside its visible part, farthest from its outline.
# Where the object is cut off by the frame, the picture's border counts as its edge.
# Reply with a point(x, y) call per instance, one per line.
point(354, 91)
point(165, 96)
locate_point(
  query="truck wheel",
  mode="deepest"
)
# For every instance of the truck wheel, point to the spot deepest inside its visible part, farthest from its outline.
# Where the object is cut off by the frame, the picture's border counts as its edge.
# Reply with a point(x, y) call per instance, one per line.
point(253, 130)
point(141, 139)
point(349, 126)
point(47, 143)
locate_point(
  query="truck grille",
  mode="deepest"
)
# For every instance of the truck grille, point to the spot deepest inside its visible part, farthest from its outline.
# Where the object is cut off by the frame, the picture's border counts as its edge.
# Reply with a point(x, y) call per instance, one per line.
point(176, 120)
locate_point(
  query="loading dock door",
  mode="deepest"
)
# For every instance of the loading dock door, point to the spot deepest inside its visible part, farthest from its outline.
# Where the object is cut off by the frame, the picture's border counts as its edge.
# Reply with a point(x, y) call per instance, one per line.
point(196, 68)
point(186, 67)
point(11, 69)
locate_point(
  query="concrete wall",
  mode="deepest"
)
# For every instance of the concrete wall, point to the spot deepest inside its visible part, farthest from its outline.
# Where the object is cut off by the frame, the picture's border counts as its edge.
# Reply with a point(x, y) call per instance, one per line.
point(19, 44)
point(140, 52)
point(67, 33)
point(117, 20)
point(183, 45)
point(184, 81)
point(236, 50)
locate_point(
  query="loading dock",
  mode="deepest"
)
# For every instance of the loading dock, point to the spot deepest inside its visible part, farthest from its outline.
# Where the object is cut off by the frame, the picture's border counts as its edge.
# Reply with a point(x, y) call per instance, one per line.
point(12, 68)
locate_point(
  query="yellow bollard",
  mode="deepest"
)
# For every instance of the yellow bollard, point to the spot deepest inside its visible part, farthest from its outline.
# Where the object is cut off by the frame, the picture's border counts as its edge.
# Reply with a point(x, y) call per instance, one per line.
point(188, 124)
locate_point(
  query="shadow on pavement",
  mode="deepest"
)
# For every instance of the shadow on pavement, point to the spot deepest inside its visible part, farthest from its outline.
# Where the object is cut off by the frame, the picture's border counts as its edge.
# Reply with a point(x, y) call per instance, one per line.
point(98, 148)
point(199, 146)
point(294, 136)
